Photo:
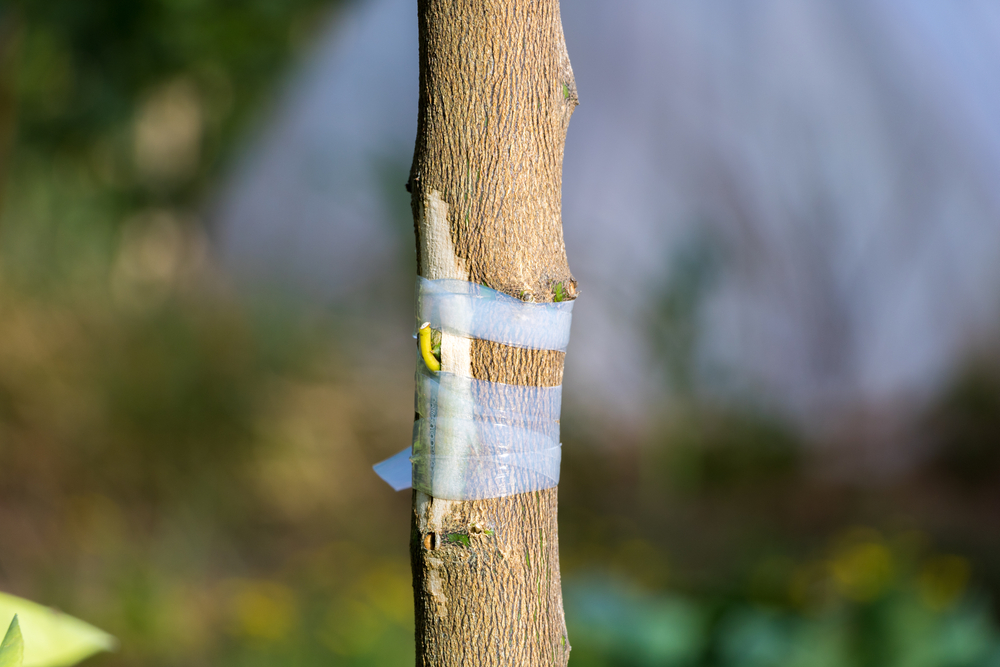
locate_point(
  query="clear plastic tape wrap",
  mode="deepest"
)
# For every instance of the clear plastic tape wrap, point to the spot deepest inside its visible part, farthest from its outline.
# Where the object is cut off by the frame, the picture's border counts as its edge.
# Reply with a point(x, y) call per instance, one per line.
point(476, 439)
point(475, 311)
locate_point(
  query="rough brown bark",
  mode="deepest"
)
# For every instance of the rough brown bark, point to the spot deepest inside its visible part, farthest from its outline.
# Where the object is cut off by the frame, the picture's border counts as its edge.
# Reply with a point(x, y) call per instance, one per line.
point(496, 96)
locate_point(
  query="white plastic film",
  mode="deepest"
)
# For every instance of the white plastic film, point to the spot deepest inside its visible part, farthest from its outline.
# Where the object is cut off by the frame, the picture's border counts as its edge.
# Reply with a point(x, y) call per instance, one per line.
point(475, 311)
point(396, 470)
point(475, 439)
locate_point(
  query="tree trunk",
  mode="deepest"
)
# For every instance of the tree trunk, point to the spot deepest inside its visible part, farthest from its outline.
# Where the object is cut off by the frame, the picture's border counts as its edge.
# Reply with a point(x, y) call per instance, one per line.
point(496, 96)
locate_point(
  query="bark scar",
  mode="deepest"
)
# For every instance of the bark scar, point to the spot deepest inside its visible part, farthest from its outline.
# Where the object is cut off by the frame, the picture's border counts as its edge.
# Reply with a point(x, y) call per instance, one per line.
point(439, 248)
point(435, 586)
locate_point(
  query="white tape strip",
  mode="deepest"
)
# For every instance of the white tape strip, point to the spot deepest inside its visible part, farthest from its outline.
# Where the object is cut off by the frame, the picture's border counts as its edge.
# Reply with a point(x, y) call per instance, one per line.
point(474, 311)
point(396, 470)
point(476, 439)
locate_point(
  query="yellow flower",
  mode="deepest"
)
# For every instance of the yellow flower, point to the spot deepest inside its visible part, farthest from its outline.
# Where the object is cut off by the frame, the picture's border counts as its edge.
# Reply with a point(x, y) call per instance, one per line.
point(264, 610)
point(942, 581)
point(863, 567)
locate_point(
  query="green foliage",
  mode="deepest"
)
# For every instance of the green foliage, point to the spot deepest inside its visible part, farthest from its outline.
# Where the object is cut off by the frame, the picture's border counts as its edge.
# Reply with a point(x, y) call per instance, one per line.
point(85, 66)
point(459, 538)
point(51, 639)
point(12, 648)
point(611, 625)
point(864, 602)
point(965, 427)
point(121, 110)
point(710, 450)
point(674, 317)
point(155, 428)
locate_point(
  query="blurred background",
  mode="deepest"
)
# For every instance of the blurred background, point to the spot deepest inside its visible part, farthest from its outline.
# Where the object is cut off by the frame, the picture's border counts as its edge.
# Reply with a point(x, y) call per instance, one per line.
point(782, 400)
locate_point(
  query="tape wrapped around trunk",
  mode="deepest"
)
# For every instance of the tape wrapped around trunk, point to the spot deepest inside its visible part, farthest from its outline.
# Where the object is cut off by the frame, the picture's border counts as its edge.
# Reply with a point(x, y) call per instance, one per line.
point(475, 439)
point(476, 311)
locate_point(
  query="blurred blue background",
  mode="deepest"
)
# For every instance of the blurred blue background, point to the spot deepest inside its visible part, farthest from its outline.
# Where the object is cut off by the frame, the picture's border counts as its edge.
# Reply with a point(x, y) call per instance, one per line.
point(782, 414)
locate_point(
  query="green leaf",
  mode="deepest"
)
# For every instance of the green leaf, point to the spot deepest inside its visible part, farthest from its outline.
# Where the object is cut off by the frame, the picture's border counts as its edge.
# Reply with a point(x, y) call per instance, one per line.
point(459, 538)
point(51, 638)
point(12, 648)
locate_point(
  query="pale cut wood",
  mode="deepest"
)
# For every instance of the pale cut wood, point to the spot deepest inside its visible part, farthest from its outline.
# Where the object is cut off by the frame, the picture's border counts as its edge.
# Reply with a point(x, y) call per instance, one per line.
point(496, 96)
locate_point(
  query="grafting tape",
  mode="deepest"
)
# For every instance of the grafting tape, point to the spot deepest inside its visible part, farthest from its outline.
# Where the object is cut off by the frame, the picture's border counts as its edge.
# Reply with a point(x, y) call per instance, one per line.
point(476, 439)
point(475, 311)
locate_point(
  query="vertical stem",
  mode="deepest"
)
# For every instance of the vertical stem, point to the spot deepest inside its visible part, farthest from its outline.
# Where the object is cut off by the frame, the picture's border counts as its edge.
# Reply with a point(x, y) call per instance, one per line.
point(496, 96)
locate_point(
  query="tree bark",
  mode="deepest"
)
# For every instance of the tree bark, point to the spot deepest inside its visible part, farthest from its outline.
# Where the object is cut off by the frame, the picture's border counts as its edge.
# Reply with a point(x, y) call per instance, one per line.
point(496, 96)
